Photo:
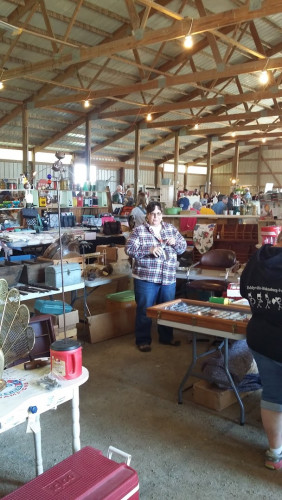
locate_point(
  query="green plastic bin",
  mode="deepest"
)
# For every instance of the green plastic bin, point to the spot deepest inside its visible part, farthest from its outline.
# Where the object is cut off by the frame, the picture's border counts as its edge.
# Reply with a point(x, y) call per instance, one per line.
point(120, 300)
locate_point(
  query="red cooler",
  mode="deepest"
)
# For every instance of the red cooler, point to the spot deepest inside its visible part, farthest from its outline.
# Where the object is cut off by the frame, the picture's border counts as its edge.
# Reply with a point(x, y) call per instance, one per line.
point(86, 475)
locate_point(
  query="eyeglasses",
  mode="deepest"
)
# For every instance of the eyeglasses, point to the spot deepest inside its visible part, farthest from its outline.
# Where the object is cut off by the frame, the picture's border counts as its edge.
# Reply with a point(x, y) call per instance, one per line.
point(156, 214)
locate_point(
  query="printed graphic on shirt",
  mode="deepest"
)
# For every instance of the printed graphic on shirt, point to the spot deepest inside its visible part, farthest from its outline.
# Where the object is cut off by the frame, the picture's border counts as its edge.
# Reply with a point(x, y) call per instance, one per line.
point(265, 298)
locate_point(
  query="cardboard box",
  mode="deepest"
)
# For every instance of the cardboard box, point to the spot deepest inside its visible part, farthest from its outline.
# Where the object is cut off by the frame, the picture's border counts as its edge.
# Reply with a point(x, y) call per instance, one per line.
point(107, 326)
point(113, 254)
point(70, 333)
point(71, 318)
point(212, 397)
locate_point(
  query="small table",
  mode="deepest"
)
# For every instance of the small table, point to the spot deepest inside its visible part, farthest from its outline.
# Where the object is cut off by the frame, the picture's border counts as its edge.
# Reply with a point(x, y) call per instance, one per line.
point(24, 399)
point(202, 322)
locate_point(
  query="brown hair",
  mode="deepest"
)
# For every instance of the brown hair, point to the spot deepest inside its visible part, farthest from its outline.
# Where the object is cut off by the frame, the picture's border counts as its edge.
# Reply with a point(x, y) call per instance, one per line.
point(152, 205)
point(141, 199)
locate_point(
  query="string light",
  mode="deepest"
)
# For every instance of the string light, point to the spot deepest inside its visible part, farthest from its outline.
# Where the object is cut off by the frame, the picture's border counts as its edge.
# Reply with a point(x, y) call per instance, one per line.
point(196, 126)
point(86, 103)
point(188, 42)
point(149, 117)
point(233, 134)
point(263, 140)
point(1, 85)
point(264, 77)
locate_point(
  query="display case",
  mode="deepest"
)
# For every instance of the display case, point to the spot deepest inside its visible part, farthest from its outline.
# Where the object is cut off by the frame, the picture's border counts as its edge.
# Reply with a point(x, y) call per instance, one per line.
point(233, 319)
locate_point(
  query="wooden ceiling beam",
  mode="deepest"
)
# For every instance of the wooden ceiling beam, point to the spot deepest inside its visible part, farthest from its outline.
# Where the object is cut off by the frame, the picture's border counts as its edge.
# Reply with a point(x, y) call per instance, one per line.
point(133, 14)
point(48, 26)
point(21, 10)
point(109, 141)
point(195, 120)
point(161, 9)
point(225, 130)
point(71, 22)
point(178, 30)
point(215, 152)
point(238, 45)
point(245, 139)
point(189, 104)
point(172, 81)
point(226, 161)
point(59, 135)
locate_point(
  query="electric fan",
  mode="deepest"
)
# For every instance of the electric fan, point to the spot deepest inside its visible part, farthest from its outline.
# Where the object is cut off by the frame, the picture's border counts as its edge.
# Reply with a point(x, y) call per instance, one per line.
point(16, 337)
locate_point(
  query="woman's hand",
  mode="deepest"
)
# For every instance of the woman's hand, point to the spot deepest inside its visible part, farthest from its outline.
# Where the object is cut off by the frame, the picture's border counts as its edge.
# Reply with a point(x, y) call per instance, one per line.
point(171, 241)
point(156, 251)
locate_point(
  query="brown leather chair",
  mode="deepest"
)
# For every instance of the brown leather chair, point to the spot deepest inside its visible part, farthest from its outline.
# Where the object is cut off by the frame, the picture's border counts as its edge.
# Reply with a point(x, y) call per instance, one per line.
point(219, 260)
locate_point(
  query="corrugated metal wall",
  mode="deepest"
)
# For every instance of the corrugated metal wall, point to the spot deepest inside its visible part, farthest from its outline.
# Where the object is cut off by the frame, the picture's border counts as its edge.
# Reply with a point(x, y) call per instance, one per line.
point(221, 177)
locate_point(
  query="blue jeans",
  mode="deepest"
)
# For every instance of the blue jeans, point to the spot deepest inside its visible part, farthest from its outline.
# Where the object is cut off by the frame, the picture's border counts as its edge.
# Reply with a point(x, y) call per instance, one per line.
point(148, 294)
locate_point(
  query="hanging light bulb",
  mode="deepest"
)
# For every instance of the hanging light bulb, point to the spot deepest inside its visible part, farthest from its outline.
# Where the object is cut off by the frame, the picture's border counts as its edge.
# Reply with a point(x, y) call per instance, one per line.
point(1, 85)
point(196, 126)
point(86, 103)
point(149, 117)
point(188, 42)
point(263, 140)
point(264, 77)
point(233, 134)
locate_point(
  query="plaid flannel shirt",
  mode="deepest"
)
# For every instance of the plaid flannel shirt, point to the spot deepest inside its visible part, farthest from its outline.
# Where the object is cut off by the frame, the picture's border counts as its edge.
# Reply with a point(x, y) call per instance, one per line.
point(145, 265)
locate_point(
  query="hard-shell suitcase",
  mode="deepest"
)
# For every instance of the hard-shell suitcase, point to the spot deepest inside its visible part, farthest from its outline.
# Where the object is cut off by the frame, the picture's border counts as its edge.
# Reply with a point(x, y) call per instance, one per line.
point(71, 274)
point(85, 475)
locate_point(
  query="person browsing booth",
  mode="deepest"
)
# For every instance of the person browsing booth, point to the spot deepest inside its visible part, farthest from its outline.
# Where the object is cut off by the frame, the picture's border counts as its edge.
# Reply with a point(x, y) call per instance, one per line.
point(154, 246)
point(260, 284)
point(184, 201)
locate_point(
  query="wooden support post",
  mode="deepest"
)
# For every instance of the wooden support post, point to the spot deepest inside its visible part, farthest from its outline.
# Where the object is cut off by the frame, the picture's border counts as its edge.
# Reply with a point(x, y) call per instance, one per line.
point(186, 185)
point(88, 147)
point(26, 166)
point(176, 161)
point(32, 165)
point(156, 176)
point(259, 168)
point(136, 160)
point(209, 167)
point(235, 165)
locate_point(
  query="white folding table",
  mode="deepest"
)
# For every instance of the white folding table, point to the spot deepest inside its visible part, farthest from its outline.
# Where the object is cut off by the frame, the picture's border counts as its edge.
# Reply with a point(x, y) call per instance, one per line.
point(24, 399)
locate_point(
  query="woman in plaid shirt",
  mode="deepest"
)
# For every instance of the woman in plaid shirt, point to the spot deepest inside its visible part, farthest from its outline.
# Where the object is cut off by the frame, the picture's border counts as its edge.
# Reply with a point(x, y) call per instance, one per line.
point(154, 247)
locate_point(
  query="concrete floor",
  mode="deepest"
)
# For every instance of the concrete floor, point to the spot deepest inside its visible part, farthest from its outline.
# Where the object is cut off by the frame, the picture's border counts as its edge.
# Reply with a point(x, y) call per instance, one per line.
point(130, 401)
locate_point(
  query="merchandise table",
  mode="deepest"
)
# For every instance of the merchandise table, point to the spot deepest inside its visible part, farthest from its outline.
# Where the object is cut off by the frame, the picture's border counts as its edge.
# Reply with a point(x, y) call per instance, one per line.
point(208, 274)
point(204, 318)
point(67, 288)
point(24, 399)
point(84, 285)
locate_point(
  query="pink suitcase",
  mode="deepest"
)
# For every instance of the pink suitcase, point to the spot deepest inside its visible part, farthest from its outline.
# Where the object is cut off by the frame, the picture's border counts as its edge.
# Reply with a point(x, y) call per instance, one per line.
point(86, 475)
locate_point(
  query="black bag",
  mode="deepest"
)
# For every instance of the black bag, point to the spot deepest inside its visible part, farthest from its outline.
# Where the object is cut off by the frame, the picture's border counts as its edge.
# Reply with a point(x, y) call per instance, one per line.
point(29, 212)
point(112, 228)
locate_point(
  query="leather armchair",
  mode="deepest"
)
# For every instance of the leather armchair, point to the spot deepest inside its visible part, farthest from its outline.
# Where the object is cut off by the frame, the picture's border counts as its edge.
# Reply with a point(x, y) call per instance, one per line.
point(219, 260)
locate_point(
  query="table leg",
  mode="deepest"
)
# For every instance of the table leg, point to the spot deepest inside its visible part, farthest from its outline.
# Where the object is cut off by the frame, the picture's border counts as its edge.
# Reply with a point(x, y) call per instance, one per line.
point(37, 445)
point(75, 421)
point(73, 297)
point(195, 357)
point(226, 368)
point(190, 368)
